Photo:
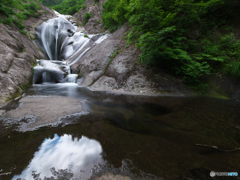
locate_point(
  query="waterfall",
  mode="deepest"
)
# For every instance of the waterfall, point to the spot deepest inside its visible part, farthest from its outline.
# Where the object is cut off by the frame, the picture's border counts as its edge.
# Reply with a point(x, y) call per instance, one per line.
point(72, 78)
point(59, 41)
point(44, 76)
point(52, 34)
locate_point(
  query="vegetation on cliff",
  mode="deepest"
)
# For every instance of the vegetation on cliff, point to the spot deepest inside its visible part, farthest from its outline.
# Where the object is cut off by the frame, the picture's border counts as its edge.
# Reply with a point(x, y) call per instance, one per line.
point(50, 3)
point(190, 38)
point(65, 6)
point(16, 11)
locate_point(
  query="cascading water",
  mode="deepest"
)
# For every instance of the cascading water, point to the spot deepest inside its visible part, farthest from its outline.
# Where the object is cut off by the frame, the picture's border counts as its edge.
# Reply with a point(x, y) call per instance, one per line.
point(52, 34)
point(59, 41)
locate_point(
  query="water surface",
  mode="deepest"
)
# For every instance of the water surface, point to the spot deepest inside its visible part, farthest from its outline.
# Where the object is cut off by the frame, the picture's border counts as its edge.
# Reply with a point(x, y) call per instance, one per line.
point(134, 136)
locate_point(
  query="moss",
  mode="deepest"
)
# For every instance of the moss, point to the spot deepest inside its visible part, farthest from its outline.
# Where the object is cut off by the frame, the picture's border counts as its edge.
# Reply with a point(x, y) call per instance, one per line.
point(86, 36)
point(30, 80)
point(26, 86)
point(22, 49)
point(35, 64)
point(216, 93)
point(215, 89)
point(79, 76)
point(111, 59)
point(33, 37)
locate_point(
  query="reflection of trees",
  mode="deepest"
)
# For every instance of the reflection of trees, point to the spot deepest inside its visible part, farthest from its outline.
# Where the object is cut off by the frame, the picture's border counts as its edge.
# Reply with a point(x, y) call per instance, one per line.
point(61, 174)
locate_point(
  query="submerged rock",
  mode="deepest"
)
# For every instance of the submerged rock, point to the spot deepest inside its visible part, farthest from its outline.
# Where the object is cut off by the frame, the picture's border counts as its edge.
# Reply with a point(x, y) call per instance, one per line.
point(43, 111)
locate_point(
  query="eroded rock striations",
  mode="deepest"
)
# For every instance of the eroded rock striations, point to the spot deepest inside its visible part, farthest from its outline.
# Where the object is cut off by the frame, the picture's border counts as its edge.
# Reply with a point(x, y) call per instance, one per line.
point(18, 55)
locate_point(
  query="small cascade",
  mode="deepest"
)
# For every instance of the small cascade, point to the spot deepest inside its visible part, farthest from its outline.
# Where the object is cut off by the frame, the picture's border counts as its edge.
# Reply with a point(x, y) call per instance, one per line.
point(44, 77)
point(72, 78)
point(53, 72)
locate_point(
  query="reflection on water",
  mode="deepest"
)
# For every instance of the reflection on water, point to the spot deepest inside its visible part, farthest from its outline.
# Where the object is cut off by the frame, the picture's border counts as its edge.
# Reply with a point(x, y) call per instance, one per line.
point(156, 134)
point(75, 156)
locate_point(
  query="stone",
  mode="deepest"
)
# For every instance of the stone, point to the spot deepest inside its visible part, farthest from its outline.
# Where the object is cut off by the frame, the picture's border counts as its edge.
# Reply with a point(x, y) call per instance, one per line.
point(18, 55)
point(94, 24)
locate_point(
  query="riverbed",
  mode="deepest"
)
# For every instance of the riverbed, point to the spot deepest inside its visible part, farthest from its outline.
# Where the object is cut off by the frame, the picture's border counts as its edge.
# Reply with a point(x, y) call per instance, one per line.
point(64, 131)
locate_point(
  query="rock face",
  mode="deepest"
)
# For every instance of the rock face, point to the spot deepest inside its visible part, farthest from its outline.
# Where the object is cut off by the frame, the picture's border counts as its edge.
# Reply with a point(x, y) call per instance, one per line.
point(111, 66)
point(94, 24)
point(17, 56)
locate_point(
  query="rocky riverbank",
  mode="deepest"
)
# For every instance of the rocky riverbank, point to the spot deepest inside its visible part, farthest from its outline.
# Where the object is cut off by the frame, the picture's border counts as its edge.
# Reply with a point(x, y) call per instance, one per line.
point(18, 55)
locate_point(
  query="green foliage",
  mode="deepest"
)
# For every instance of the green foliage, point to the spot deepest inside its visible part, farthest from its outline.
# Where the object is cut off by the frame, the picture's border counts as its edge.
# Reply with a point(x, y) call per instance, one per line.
point(86, 17)
point(23, 32)
point(5, 10)
point(233, 68)
point(50, 3)
point(69, 6)
point(8, 21)
point(162, 30)
point(25, 10)
point(114, 13)
point(86, 36)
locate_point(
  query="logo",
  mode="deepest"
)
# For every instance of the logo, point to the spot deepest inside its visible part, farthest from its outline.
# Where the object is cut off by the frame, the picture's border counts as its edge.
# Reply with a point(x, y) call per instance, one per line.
point(212, 174)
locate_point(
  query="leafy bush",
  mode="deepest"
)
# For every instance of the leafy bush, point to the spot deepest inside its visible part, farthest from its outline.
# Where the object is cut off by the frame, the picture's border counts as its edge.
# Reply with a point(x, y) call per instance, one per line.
point(113, 14)
point(69, 6)
point(8, 21)
point(162, 30)
point(8, 8)
point(50, 3)
point(86, 17)
point(23, 32)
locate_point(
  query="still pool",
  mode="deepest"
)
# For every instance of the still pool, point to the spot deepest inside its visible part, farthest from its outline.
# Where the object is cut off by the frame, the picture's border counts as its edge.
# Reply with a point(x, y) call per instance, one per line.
point(126, 137)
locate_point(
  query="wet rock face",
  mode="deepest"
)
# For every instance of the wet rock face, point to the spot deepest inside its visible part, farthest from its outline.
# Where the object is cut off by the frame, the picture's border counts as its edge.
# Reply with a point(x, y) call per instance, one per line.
point(17, 56)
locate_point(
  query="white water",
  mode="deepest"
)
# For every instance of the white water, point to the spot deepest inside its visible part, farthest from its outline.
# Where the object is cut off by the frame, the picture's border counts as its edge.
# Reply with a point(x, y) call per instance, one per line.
point(60, 41)
point(72, 78)
point(53, 72)
point(52, 35)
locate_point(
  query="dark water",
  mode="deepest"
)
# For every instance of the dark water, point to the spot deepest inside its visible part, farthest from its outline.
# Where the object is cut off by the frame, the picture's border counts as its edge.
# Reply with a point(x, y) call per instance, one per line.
point(134, 136)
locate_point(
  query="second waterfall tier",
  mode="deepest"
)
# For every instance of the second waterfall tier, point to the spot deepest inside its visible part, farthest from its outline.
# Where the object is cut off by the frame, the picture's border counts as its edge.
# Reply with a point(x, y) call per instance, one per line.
point(53, 72)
